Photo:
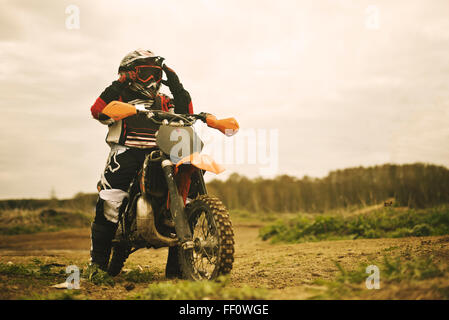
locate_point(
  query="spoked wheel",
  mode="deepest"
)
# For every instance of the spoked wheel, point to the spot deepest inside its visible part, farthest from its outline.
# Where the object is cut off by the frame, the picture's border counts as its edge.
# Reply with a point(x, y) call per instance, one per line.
point(213, 240)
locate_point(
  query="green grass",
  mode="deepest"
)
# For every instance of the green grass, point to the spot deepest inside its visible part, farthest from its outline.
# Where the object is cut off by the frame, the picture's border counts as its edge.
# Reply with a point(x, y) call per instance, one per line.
point(35, 270)
point(189, 290)
point(17, 270)
point(382, 223)
point(62, 295)
point(31, 276)
point(14, 222)
point(27, 229)
point(138, 276)
point(247, 217)
point(391, 271)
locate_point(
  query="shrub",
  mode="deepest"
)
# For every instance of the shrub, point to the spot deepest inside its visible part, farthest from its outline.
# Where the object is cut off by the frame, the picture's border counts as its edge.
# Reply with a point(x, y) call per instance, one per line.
point(388, 222)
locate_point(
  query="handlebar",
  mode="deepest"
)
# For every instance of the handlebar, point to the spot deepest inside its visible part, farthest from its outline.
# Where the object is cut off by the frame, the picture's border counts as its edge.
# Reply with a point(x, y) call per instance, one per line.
point(119, 110)
point(228, 126)
point(158, 116)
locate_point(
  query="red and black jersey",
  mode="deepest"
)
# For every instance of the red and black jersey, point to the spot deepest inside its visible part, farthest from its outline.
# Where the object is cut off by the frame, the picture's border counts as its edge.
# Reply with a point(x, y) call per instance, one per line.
point(134, 131)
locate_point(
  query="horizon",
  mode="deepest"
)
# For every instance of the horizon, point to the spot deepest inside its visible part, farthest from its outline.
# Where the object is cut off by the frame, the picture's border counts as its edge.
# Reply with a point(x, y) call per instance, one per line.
point(250, 178)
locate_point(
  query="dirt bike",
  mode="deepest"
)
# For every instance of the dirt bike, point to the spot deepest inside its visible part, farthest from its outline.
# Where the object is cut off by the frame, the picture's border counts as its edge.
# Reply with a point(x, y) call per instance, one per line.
point(158, 212)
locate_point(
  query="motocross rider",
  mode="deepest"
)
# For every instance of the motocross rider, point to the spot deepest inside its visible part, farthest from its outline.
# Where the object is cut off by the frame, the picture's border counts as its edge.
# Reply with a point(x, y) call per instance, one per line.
point(140, 78)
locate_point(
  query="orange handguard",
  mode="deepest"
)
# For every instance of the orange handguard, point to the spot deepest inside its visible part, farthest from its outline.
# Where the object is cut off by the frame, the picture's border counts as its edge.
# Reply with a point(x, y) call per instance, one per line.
point(228, 126)
point(119, 110)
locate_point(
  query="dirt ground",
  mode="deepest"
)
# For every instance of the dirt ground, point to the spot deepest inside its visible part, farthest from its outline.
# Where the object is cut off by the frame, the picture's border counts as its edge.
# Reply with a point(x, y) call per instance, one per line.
point(286, 270)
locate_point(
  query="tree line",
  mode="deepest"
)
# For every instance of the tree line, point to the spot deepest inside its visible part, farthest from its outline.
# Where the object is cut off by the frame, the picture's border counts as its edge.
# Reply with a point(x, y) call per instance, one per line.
point(415, 185)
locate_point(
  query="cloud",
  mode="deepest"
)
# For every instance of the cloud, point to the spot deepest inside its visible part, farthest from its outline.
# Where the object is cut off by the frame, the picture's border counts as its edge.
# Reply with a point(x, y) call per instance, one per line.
point(339, 94)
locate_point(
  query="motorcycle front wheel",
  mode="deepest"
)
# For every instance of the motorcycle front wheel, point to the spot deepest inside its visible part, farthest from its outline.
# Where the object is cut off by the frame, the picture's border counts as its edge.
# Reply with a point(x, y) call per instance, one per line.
point(212, 254)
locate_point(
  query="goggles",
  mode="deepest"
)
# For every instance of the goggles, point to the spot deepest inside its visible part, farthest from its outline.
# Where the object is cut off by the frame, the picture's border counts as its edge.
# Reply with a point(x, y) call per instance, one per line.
point(147, 73)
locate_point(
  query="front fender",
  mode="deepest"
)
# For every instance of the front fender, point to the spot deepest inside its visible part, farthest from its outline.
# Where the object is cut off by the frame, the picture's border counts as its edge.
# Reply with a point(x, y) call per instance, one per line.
point(202, 161)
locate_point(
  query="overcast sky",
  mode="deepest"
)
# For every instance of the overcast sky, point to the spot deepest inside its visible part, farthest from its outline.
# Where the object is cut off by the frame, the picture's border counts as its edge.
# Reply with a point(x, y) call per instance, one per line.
point(344, 83)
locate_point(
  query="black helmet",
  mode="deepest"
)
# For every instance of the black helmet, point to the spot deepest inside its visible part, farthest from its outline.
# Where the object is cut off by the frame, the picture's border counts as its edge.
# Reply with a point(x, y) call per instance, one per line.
point(148, 68)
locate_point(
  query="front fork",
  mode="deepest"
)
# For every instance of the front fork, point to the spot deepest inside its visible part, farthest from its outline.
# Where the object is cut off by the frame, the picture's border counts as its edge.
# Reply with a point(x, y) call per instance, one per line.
point(200, 181)
point(177, 207)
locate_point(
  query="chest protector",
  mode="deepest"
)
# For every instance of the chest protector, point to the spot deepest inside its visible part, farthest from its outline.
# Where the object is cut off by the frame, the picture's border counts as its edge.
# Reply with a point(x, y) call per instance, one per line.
point(137, 131)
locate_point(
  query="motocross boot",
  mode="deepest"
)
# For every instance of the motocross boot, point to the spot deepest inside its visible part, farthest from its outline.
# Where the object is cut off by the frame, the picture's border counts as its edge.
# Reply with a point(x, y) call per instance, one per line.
point(101, 237)
point(94, 274)
point(173, 268)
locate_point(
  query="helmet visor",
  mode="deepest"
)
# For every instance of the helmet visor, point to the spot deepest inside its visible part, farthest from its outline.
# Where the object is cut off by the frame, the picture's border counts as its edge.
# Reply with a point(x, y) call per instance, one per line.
point(149, 73)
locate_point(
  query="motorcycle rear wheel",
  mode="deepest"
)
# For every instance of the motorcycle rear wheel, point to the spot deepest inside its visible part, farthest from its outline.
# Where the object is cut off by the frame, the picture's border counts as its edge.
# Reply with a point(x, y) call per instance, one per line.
point(213, 237)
